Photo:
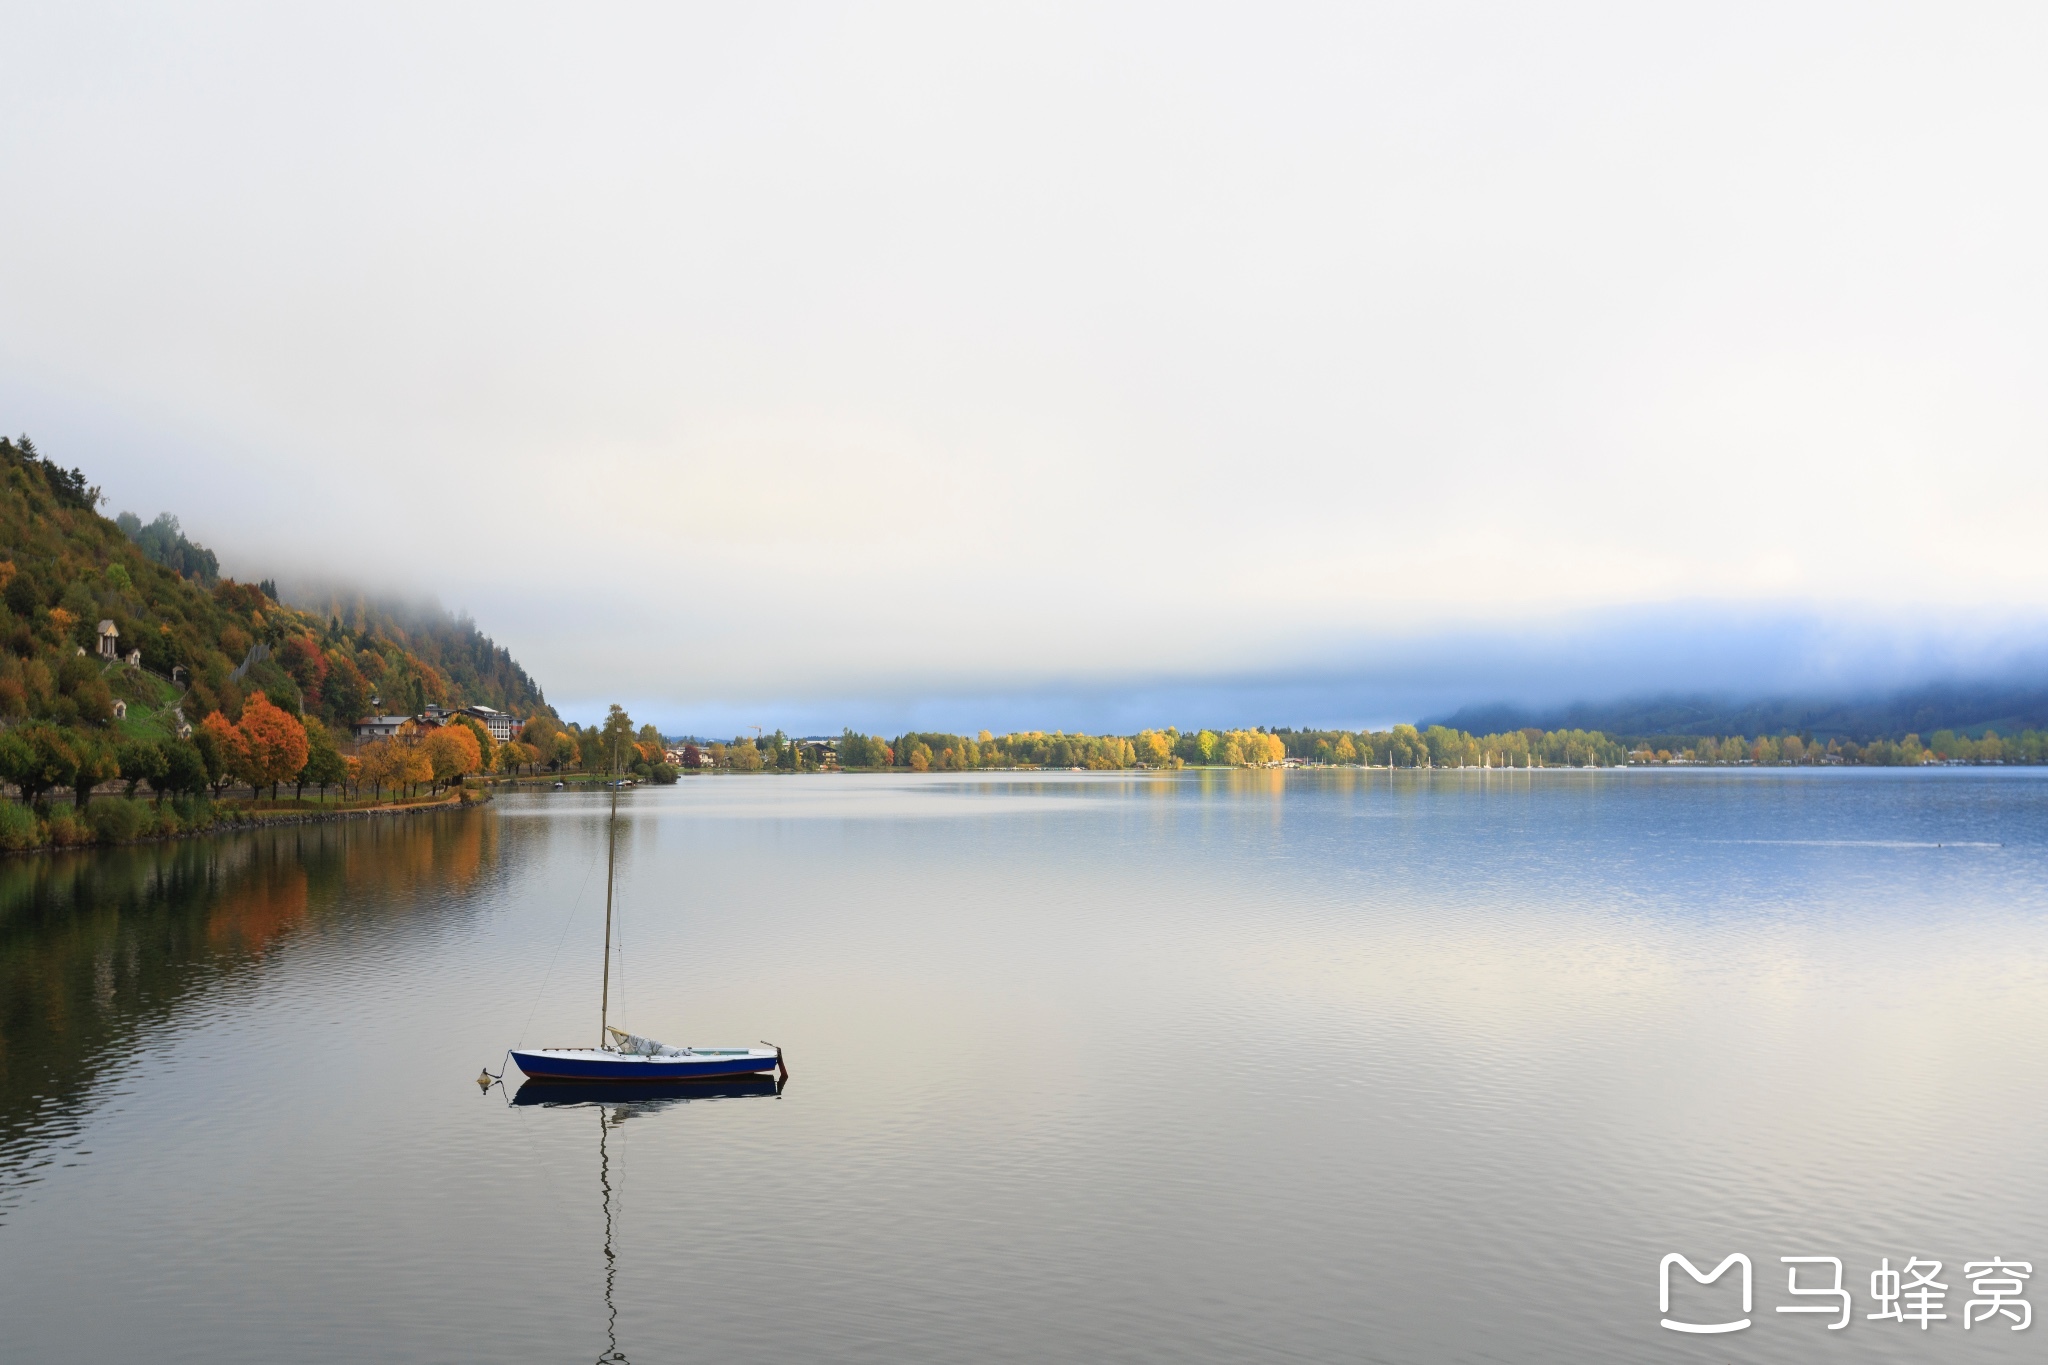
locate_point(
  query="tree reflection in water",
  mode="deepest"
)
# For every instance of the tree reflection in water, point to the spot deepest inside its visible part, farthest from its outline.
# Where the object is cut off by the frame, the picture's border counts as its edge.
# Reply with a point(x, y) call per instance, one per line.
point(100, 952)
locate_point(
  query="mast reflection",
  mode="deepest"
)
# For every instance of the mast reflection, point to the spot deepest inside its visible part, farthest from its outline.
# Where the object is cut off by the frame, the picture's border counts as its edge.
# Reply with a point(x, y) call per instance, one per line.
point(615, 1103)
point(605, 1123)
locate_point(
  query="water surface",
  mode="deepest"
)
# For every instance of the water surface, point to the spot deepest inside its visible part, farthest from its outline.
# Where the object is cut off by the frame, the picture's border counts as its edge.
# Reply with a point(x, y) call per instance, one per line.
point(1332, 1066)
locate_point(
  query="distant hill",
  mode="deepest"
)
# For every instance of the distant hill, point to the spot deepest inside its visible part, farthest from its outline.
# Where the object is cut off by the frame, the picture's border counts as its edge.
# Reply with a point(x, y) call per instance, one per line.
point(475, 668)
point(1964, 707)
point(64, 568)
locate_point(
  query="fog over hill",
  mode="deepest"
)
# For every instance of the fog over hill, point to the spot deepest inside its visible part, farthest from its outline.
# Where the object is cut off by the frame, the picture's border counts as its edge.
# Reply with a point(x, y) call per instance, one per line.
point(476, 664)
point(1965, 707)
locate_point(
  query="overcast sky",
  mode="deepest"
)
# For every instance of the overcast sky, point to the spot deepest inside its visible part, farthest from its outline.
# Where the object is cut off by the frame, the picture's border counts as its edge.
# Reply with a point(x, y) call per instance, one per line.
point(806, 364)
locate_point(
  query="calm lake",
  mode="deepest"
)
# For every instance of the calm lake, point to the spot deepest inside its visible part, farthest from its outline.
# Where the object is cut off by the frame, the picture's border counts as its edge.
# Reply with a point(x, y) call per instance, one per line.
point(1315, 1066)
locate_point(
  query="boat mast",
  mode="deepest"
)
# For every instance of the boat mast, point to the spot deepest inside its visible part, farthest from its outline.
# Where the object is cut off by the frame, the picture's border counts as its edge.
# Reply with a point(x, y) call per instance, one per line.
point(611, 855)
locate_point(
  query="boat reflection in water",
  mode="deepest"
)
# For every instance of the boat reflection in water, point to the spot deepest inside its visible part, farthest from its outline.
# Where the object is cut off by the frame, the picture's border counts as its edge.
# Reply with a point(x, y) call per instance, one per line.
point(643, 1097)
point(615, 1102)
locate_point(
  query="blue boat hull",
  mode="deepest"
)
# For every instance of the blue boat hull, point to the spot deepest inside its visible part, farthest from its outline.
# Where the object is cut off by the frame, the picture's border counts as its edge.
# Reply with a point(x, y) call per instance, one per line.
point(577, 1064)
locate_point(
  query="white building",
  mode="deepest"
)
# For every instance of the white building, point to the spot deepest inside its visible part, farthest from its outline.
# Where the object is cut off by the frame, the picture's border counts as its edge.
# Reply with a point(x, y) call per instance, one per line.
point(500, 724)
point(380, 727)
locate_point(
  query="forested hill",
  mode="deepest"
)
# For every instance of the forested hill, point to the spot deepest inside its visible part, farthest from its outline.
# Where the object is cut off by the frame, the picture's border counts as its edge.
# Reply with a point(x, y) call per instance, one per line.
point(1966, 708)
point(474, 666)
point(64, 568)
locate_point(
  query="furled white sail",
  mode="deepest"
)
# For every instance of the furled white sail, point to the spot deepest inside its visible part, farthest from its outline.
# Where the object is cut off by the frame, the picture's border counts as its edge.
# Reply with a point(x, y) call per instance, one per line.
point(633, 1045)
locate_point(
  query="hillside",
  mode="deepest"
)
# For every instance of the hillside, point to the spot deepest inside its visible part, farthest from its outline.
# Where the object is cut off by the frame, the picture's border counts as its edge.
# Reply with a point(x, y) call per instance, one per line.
point(473, 667)
point(1966, 708)
point(64, 568)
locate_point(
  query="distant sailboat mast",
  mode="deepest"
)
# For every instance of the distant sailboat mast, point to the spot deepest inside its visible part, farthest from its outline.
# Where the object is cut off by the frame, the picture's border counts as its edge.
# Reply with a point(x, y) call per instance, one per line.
point(611, 855)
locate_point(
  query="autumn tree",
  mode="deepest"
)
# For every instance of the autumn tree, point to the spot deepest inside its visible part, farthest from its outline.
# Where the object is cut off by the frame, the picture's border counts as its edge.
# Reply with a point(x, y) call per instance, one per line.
point(378, 764)
point(274, 744)
point(485, 745)
point(540, 731)
point(222, 748)
point(452, 752)
point(345, 691)
point(414, 767)
point(653, 748)
point(1154, 748)
point(302, 660)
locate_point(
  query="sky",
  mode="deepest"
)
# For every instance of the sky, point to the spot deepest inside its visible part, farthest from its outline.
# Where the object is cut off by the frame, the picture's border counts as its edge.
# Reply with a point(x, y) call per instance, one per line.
point(1065, 366)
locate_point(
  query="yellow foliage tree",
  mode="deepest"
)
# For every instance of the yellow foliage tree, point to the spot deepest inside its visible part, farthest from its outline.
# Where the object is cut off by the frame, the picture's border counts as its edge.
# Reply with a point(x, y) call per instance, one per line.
point(414, 767)
point(452, 753)
point(379, 765)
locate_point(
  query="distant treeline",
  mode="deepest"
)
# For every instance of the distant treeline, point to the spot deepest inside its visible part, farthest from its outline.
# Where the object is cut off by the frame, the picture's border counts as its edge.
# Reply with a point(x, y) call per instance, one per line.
point(1943, 746)
point(2010, 708)
point(1403, 746)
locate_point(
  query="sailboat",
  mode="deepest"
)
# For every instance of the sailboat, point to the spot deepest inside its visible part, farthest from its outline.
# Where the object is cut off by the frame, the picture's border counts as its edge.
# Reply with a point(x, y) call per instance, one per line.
point(626, 1057)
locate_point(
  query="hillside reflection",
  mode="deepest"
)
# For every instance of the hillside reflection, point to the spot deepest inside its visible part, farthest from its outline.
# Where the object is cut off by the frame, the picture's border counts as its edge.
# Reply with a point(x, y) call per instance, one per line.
point(100, 950)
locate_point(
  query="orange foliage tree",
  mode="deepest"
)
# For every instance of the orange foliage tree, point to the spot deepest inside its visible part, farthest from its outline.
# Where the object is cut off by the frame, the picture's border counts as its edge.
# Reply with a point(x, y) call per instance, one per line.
point(452, 752)
point(274, 744)
point(485, 745)
point(229, 757)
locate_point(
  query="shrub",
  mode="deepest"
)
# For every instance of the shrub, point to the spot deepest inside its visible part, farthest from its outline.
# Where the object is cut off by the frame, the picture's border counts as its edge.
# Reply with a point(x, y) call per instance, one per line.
point(66, 829)
point(19, 827)
point(115, 819)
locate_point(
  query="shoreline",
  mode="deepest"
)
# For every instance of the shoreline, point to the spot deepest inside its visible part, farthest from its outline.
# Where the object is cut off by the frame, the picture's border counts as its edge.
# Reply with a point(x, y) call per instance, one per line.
point(244, 822)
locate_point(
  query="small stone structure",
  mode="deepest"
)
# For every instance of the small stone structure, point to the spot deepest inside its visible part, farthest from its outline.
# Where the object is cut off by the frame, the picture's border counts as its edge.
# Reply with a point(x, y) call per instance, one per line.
point(110, 641)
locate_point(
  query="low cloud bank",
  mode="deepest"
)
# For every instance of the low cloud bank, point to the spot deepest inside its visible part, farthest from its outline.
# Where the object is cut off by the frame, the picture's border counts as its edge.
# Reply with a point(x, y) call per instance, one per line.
point(1641, 668)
